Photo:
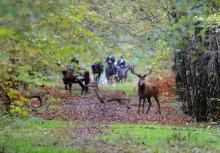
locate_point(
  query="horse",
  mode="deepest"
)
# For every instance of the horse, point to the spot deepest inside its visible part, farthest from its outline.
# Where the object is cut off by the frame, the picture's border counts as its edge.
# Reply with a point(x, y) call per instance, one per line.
point(110, 72)
point(122, 73)
point(69, 78)
point(97, 70)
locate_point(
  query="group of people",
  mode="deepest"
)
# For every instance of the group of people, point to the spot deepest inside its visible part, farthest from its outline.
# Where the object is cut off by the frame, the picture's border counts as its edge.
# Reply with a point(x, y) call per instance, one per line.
point(111, 60)
point(74, 63)
point(76, 70)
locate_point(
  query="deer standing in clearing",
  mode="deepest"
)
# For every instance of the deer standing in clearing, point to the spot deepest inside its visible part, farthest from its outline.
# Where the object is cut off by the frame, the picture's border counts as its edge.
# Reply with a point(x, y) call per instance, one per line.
point(146, 91)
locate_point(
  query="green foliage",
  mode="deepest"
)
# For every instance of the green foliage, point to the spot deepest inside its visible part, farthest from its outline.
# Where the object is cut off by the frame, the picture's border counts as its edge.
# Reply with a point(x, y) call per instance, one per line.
point(36, 36)
point(194, 36)
point(39, 37)
point(14, 101)
point(5, 32)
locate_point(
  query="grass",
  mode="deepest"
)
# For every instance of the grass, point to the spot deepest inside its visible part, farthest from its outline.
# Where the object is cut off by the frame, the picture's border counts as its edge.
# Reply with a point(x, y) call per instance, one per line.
point(34, 135)
point(160, 138)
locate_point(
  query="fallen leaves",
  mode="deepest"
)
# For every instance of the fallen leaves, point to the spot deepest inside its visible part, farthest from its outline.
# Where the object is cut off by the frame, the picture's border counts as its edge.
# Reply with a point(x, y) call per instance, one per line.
point(90, 109)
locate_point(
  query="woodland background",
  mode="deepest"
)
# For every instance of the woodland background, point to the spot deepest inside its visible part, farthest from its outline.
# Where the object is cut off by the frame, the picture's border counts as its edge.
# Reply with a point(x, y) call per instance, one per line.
point(180, 39)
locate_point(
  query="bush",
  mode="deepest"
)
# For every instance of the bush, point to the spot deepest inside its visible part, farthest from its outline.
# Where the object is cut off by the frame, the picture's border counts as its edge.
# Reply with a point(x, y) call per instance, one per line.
point(11, 100)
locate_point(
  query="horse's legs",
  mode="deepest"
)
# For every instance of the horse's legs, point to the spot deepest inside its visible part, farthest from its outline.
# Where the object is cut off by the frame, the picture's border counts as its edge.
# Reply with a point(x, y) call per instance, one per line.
point(86, 88)
point(119, 80)
point(108, 79)
point(158, 103)
point(65, 87)
point(95, 77)
point(149, 101)
point(139, 106)
point(97, 80)
point(70, 87)
point(98, 77)
point(125, 79)
point(82, 86)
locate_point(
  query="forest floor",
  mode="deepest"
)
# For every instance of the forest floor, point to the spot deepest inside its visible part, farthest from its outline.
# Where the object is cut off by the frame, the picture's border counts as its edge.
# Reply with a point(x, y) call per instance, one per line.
point(74, 123)
point(89, 108)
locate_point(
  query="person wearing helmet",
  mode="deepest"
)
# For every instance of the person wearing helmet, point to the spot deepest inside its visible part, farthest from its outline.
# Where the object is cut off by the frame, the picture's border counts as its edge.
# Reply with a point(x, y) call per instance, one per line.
point(121, 62)
point(69, 67)
point(110, 59)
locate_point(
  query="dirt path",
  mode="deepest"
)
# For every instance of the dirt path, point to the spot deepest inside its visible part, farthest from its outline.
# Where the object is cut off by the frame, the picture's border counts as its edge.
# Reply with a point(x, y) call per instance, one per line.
point(87, 108)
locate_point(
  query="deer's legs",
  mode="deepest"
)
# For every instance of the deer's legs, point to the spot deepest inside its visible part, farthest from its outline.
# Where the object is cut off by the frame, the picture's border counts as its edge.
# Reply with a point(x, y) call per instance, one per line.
point(41, 100)
point(149, 101)
point(158, 103)
point(119, 101)
point(143, 105)
point(139, 106)
point(103, 103)
point(128, 104)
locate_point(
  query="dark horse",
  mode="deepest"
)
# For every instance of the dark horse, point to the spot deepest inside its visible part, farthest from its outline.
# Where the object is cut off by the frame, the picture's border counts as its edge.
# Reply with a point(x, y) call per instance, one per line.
point(69, 78)
point(110, 72)
point(97, 70)
point(122, 73)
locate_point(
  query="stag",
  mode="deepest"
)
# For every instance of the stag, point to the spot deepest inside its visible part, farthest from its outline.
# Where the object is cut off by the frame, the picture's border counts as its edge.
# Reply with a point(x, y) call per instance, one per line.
point(146, 91)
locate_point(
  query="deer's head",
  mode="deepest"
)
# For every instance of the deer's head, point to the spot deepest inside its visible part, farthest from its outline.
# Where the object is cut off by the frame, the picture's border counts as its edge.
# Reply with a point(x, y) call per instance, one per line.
point(141, 81)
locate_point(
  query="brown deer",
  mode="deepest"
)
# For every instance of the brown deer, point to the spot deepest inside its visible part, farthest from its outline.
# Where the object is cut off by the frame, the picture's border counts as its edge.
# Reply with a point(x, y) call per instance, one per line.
point(146, 90)
point(38, 92)
point(108, 95)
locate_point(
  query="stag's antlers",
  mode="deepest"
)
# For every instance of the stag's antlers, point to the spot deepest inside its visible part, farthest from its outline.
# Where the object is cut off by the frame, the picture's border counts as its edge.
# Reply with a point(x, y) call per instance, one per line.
point(132, 71)
point(150, 70)
point(139, 75)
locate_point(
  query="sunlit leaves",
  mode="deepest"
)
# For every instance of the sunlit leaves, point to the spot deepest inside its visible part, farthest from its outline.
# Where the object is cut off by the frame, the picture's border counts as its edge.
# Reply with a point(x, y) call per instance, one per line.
point(40, 33)
point(5, 32)
point(211, 19)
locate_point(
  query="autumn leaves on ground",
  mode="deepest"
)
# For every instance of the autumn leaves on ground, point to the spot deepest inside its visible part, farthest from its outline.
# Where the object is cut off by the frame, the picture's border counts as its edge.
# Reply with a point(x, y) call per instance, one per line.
point(89, 108)
point(75, 123)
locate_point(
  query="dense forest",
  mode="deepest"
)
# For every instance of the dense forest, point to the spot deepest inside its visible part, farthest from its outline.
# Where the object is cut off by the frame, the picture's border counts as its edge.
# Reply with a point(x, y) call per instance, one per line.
point(178, 39)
